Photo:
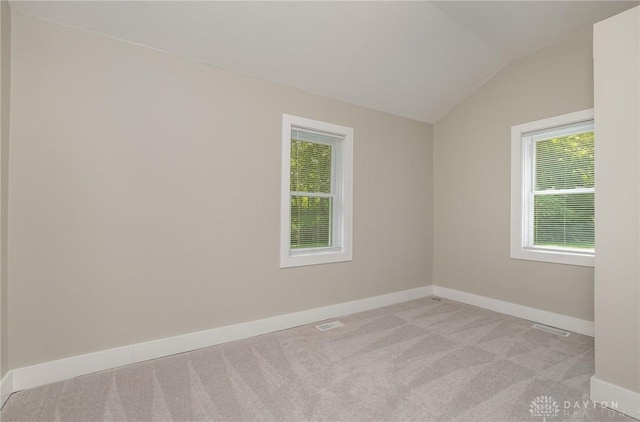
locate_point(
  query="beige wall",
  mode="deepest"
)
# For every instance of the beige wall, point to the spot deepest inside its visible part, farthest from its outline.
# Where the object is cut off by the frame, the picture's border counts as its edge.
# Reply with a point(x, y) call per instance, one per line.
point(617, 276)
point(145, 197)
point(5, 67)
point(472, 182)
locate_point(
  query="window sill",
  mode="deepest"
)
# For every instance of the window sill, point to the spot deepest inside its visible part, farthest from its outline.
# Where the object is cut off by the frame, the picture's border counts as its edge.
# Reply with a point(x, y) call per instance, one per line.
point(557, 257)
point(315, 257)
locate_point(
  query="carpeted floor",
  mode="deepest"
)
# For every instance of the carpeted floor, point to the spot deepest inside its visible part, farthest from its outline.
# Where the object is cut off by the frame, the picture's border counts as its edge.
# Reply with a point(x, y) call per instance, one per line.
point(418, 361)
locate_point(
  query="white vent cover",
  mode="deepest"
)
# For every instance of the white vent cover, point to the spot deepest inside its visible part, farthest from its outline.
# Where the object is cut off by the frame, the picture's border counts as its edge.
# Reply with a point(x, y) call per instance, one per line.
point(551, 330)
point(329, 325)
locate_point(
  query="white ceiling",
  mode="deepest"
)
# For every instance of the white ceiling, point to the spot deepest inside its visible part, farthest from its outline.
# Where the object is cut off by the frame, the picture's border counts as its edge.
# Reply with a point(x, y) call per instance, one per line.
point(413, 59)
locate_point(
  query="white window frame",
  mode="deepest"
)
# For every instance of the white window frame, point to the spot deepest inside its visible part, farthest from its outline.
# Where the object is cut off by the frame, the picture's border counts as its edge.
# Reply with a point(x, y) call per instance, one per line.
point(342, 222)
point(521, 188)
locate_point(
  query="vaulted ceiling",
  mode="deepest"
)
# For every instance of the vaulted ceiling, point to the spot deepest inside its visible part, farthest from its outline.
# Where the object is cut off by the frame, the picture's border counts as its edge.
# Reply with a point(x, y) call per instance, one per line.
point(414, 59)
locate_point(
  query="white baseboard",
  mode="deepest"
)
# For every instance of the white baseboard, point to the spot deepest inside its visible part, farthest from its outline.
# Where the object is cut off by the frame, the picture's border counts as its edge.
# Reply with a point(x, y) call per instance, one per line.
point(615, 397)
point(6, 388)
point(74, 366)
point(183, 343)
point(565, 322)
point(58, 370)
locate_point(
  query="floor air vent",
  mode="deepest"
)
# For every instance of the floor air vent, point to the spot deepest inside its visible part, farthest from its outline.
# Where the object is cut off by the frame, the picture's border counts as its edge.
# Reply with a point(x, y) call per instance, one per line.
point(552, 330)
point(329, 325)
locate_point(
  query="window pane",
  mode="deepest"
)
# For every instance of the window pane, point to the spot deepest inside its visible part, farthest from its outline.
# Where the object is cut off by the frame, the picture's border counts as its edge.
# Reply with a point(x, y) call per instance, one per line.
point(564, 220)
point(310, 222)
point(311, 168)
point(565, 163)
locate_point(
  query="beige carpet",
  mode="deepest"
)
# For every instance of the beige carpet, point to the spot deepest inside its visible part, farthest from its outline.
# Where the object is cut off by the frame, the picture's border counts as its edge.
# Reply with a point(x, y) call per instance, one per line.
point(418, 361)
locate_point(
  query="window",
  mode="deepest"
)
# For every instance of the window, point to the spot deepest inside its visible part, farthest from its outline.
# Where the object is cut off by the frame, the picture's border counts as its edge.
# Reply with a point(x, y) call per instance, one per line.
point(552, 190)
point(316, 203)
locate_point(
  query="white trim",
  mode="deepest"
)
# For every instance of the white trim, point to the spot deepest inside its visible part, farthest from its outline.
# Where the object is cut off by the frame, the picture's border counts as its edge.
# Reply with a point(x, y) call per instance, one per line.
point(6, 388)
point(61, 369)
point(520, 164)
point(343, 191)
point(615, 397)
point(58, 370)
point(552, 319)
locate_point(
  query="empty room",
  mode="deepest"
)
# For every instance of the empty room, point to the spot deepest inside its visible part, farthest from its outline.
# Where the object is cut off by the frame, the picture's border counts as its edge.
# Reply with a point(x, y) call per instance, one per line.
point(306, 211)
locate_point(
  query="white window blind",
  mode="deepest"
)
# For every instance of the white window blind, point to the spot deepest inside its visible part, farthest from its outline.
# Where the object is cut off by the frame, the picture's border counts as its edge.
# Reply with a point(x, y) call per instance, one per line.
point(552, 189)
point(562, 188)
point(313, 189)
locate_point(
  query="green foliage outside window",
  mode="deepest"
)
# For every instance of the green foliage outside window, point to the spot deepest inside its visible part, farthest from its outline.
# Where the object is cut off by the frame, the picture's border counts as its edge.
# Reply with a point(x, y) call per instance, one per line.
point(311, 216)
point(564, 219)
